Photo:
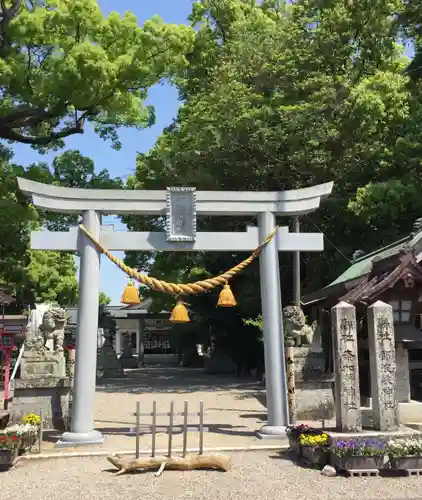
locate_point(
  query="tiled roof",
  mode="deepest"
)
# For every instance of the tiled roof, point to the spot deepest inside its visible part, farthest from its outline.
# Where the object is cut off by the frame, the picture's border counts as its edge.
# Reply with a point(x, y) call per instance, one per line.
point(363, 266)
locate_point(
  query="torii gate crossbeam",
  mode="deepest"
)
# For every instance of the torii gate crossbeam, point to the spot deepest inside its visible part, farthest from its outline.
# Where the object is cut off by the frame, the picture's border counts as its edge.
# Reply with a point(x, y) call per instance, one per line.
point(180, 206)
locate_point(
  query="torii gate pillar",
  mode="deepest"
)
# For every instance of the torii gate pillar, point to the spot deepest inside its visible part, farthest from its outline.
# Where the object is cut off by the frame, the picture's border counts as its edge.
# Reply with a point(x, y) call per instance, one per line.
point(181, 206)
point(275, 366)
point(82, 417)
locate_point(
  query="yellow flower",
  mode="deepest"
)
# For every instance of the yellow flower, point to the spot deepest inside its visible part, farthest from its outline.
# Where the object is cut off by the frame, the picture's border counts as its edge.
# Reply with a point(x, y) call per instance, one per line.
point(310, 440)
point(31, 419)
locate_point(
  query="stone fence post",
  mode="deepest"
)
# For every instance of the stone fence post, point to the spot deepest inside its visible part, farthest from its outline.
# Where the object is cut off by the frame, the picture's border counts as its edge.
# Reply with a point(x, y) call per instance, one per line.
point(346, 368)
point(382, 360)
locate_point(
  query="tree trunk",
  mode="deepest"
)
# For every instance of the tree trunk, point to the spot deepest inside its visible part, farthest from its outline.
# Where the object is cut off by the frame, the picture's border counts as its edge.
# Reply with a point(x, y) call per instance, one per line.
point(217, 462)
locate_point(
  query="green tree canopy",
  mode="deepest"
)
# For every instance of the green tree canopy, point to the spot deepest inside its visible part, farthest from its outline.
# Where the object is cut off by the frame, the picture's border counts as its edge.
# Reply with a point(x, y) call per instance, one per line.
point(281, 95)
point(41, 275)
point(104, 299)
point(64, 64)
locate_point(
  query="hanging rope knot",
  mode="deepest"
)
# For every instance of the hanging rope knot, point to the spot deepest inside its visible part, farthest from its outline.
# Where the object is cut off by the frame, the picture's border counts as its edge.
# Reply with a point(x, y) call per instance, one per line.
point(175, 288)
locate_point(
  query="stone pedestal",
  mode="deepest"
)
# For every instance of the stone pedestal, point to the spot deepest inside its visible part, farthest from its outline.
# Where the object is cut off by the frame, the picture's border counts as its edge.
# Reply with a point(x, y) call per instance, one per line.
point(382, 361)
point(42, 364)
point(118, 343)
point(50, 395)
point(219, 363)
point(402, 374)
point(308, 362)
point(313, 387)
point(140, 348)
point(108, 365)
point(127, 359)
point(346, 368)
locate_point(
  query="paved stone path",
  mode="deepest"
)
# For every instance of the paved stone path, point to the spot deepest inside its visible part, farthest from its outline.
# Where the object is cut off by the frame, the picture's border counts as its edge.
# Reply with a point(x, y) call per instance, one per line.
point(234, 407)
point(254, 476)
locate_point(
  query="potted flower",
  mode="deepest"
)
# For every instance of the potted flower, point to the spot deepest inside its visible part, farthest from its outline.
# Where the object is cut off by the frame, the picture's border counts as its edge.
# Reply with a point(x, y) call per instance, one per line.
point(293, 433)
point(28, 430)
point(405, 453)
point(9, 446)
point(31, 419)
point(358, 454)
point(315, 448)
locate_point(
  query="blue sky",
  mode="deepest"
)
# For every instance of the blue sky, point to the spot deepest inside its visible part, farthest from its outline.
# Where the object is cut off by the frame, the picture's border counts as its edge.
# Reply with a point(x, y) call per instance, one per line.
point(122, 163)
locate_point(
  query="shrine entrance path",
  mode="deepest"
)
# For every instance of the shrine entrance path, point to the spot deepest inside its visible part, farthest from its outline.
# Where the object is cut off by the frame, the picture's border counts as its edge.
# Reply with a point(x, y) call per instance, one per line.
point(234, 408)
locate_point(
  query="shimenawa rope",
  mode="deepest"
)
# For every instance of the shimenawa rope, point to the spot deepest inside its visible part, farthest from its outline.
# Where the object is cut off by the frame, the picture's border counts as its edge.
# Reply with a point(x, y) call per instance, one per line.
point(175, 288)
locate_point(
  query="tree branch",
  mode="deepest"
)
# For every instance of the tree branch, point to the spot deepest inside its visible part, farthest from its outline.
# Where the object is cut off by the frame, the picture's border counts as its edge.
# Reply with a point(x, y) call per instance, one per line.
point(30, 117)
point(6, 16)
point(13, 135)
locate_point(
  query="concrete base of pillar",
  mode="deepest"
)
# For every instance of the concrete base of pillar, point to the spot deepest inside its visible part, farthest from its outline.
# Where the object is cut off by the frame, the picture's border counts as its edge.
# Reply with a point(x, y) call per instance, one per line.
point(272, 432)
point(73, 439)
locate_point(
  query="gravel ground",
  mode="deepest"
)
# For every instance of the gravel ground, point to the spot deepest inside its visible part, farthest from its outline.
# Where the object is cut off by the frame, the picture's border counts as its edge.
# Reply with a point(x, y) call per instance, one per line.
point(255, 476)
point(234, 407)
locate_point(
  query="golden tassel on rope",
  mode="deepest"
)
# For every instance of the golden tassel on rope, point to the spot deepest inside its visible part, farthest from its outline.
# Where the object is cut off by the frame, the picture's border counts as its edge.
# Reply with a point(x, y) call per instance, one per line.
point(226, 297)
point(180, 313)
point(130, 295)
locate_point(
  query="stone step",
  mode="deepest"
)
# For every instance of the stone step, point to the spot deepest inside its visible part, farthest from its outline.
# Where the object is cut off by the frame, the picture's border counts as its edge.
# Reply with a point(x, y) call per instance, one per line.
point(413, 472)
point(415, 425)
point(363, 473)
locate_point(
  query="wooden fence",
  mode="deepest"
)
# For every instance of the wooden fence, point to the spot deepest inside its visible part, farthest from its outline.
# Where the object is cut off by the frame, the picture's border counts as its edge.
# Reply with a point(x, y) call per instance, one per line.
point(170, 427)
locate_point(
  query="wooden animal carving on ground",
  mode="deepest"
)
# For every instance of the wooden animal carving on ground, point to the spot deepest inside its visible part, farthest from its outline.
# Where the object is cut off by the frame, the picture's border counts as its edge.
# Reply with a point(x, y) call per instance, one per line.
point(191, 462)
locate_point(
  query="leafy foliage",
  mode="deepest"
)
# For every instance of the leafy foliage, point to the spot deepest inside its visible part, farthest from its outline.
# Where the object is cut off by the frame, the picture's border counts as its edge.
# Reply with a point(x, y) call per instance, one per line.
point(104, 299)
point(63, 64)
point(281, 95)
point(38, 275)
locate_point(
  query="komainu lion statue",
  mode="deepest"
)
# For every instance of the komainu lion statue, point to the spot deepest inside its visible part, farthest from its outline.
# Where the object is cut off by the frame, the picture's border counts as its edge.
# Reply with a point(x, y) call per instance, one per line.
point(295, 326)
point(52, 326)
point(46, 328)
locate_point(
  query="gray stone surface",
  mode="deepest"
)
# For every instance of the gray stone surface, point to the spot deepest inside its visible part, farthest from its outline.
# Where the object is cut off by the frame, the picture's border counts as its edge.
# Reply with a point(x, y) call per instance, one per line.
point(314, 388)
point(147, 202)
point(35, 365)
point(127, 359)
point(346, 367)
point(205, 241)
point(272, 315)
point(402, 374)
point(328, 471)
point(382, 361)
point(219, 363)
point(108, 365)
point(82, 418)
point(308, 363)
point(315, 400)
point(48, 395)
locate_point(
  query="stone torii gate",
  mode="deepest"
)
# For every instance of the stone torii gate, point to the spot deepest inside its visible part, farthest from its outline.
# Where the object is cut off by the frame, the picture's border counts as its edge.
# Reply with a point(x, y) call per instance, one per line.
point(180, 207)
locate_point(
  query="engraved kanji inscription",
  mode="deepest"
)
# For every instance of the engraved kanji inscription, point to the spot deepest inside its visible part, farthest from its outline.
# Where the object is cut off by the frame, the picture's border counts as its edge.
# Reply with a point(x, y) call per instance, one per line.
point(383, 366)
point(347, 329)
point(384, 329)
point(350, 398)
point(387, 356)
point(181, 214)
